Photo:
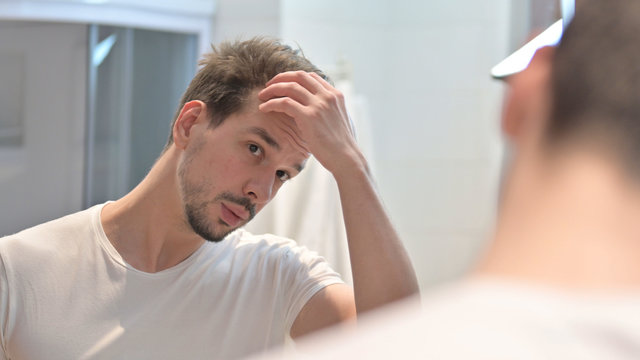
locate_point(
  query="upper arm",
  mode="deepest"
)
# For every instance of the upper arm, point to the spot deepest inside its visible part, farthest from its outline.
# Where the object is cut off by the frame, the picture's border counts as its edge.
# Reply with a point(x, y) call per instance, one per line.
point(4, 307)
point(331, 305)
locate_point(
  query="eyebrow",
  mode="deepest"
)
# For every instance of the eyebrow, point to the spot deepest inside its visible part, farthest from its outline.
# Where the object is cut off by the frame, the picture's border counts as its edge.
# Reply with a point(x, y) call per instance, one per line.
point(264, 135)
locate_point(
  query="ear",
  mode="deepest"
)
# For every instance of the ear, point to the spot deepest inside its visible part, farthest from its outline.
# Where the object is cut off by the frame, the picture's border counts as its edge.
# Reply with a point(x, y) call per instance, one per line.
point(192, 113)
point(527, 104)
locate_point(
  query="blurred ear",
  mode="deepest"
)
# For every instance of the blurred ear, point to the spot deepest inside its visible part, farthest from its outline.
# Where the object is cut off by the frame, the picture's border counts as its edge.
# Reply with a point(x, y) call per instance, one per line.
point(192, 113)
point(529, 97)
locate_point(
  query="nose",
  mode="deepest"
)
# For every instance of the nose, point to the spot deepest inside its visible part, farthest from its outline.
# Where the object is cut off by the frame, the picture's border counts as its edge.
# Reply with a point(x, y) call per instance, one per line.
point(260, 187)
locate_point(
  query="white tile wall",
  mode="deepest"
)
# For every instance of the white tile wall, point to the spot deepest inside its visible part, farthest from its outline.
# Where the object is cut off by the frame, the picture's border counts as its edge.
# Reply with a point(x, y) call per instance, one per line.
point(245, 18)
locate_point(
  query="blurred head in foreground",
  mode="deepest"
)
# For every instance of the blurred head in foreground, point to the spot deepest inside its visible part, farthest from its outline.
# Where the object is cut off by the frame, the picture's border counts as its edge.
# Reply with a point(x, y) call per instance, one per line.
point(571, 199)
point(587, 90)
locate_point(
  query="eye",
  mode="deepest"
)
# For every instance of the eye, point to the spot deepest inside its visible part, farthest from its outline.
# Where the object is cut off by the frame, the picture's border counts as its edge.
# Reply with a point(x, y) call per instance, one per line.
point(282, 175)
point(255, 149)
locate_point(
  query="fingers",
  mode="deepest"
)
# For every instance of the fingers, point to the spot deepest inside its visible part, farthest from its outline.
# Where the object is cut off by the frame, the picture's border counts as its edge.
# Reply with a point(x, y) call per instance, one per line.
point(330, 92)
point(299, 94)
point(317, 117)
point(322, 81)
point(284, 105)
point(301, 77)
point(292, 109)
point(286, 89)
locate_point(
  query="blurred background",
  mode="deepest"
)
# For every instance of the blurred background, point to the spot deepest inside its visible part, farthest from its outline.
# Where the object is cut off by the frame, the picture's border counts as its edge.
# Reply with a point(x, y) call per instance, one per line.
point(88, 90)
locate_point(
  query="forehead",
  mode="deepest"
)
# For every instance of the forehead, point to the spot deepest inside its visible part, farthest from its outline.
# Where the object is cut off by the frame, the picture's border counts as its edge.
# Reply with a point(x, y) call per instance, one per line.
point(277, 130)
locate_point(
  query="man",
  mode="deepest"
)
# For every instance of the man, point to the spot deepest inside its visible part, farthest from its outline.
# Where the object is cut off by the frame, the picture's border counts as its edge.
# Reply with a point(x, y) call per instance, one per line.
point(162, 273)
point(561, 279)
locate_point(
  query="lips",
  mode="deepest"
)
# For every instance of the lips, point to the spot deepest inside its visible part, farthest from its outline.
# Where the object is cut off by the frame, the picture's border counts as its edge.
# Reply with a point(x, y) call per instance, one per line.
point(233, 216)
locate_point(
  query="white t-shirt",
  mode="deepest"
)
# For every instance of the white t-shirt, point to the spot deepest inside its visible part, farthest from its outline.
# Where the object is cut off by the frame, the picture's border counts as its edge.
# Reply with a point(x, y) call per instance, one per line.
point(486, 318)
point(66, 293)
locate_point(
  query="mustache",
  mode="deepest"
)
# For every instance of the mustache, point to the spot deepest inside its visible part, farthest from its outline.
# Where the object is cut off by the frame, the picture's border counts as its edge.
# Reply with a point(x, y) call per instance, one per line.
point(240, 200)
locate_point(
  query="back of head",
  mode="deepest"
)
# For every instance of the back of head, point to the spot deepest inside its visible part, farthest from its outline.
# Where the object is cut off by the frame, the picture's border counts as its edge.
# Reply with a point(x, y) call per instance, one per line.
point(232, 70)
point(596, 79)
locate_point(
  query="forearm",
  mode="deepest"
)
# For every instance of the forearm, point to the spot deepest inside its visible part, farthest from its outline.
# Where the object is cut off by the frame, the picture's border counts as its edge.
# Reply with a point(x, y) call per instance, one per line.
point(380, 265)
point(381, 269)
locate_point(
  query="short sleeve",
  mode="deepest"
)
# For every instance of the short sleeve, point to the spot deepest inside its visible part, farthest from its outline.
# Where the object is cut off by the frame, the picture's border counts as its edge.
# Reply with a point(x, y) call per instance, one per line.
point(307, 273)
point(4, 308)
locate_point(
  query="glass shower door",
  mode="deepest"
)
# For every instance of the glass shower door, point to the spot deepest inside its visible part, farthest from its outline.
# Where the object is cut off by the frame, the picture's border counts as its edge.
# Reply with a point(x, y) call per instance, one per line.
point(136, 79)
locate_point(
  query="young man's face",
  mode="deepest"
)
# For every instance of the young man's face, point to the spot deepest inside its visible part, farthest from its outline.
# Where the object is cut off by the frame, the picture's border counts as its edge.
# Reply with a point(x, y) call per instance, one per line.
point(230, 172)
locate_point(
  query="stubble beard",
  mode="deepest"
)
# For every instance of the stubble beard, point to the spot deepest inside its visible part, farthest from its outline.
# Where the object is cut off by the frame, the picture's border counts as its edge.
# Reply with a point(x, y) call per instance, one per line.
point(197, 215)
point(196, 209)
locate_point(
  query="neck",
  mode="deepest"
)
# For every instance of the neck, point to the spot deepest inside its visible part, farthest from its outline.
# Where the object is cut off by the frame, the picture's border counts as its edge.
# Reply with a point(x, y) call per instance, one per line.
point(147, 226)
point(571, 224)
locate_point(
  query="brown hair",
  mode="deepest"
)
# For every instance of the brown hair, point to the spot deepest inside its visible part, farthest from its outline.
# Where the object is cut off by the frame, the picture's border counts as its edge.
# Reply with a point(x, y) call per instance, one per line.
point(232, 70)
point(596, 78)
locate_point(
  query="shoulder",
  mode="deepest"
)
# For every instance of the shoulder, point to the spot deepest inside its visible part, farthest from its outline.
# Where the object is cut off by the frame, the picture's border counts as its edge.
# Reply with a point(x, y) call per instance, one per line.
point(54, 237)
point(452, 322)
point(480, 319)
point(68, 224)
point(485, 320)
point(243, 238)
point(299, 270)
point(269, 247)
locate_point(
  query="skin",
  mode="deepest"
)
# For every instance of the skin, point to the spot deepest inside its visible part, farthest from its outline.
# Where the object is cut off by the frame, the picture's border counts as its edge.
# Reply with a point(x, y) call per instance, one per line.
point(252, 146)
point(216, 178)
point(569, 214)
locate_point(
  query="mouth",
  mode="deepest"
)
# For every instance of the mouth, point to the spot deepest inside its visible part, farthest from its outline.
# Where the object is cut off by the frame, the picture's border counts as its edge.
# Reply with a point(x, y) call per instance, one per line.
point(233, 216)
